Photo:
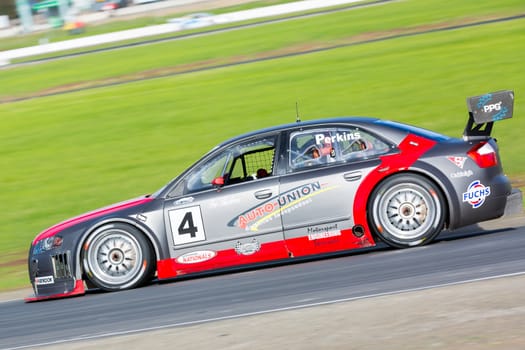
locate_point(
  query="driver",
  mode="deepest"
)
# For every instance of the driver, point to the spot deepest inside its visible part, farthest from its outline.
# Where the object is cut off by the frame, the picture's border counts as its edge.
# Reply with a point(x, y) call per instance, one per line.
point(327, 149)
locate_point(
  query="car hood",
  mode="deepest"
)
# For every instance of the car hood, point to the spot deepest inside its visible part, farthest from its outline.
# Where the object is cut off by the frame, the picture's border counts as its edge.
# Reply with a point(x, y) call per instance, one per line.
point(91, 215)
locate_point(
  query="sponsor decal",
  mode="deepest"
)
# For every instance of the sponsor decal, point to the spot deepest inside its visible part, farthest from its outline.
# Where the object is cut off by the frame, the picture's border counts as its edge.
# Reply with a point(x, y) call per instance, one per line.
point(186, 225)
point(249, 248)
point(263, 211)
point(284, 204)
point(501, 114)
point(338, 137)
point(196, 257)
point(320, 232)
point(483, 100)
point(484, 105)
point(492, 107)
point(459, 161)
point(464, 173)
point(225, 202)
point(476, 194)
point(40, 281)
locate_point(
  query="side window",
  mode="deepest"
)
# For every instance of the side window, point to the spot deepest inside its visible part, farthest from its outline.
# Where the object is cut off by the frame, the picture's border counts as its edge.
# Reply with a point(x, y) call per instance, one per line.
point(333, 145)
point(359, 144)
point(203, 174)
point(310, 148)
point(253, 160)
point(245, 161)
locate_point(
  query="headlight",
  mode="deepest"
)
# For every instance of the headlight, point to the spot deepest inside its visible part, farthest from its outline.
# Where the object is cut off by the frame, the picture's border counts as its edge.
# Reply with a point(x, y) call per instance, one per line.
point(47, 244)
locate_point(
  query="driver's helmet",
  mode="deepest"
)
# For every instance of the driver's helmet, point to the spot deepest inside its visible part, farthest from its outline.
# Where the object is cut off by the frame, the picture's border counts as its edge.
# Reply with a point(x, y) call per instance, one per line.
point(362, 145)
point(325, 147)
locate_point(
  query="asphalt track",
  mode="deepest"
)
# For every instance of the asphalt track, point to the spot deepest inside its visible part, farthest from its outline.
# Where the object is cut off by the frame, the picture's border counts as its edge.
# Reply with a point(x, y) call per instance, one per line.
point(476, 253)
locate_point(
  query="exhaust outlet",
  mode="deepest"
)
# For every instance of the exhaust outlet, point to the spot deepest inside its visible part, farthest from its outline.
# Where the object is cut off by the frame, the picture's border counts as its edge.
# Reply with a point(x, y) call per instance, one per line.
point(358, 231)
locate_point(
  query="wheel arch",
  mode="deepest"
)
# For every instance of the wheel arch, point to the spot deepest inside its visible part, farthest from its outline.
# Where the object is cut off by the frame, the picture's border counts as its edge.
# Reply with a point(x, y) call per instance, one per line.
point(429, 175)
point(151, 238)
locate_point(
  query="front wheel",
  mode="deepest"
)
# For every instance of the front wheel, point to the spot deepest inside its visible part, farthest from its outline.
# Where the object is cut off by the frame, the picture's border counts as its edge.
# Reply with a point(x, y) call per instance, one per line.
point(406, 211)
point(117, 256)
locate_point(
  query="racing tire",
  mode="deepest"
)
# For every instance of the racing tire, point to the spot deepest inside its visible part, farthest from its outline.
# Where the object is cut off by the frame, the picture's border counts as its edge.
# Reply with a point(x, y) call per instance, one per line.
point(406, 211)
point(116, 257)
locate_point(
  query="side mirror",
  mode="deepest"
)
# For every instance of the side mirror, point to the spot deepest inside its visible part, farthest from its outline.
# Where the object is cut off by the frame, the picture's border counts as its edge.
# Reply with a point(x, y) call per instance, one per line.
point(218, 181)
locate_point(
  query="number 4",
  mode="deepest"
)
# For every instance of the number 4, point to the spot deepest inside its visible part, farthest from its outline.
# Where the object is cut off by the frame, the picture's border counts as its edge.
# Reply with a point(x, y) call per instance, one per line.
point(187, 220)
point(186, 225)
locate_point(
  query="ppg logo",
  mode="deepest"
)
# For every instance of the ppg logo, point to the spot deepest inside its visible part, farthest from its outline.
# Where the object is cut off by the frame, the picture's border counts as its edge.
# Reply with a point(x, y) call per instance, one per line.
point(492, 107)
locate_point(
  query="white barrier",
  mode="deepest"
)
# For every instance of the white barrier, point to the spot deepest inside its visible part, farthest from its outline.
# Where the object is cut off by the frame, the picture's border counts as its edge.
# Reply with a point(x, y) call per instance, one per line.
point(7, 56)
point(4, 22)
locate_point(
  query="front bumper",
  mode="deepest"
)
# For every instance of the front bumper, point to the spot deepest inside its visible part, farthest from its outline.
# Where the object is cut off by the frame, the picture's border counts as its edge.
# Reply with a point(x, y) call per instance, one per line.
point(52, 276)
point(78, 289)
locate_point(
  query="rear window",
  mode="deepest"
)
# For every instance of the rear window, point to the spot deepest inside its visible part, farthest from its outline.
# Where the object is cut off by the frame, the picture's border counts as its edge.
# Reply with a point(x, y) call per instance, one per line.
point(415, 130)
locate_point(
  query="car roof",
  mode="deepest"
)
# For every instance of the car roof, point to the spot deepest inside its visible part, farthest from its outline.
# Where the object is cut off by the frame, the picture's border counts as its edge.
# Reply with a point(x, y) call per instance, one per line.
point(299, 124)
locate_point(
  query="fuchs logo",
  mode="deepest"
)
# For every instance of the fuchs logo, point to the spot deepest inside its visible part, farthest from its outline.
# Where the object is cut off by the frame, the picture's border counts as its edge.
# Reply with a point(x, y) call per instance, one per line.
point(459, 161)
point(476, 194)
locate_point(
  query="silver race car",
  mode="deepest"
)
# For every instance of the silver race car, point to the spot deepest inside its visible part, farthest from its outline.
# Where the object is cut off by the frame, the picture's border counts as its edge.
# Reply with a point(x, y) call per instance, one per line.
point(297, 190)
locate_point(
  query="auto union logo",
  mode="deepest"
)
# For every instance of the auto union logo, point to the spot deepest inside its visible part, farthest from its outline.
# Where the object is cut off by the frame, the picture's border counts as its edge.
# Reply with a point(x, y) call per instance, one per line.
point(284, 203)
point(476, 194)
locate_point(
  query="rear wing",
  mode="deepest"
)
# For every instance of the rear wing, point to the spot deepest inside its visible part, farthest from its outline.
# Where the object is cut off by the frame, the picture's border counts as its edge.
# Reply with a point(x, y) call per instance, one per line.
point(484, 110)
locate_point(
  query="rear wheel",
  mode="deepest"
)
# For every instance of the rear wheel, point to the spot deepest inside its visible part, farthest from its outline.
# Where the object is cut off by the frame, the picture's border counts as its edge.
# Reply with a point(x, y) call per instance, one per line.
point(406, 211)
point(117, 256)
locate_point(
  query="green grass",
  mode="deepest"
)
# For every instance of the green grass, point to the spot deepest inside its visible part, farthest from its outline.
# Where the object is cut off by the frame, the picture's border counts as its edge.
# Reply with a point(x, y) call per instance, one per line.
point(66, 154)
point(58, 35)
point(246, 43)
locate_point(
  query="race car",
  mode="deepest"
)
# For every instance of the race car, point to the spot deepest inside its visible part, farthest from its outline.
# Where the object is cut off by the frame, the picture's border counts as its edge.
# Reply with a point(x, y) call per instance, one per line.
point(302, 189)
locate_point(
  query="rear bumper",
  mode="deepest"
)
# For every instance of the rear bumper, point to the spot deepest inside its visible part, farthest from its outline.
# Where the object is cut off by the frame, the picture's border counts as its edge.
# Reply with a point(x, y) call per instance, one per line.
point(514, 204)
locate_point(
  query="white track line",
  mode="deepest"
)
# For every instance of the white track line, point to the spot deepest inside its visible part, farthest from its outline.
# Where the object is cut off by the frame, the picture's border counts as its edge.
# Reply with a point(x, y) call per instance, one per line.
point(255, 313)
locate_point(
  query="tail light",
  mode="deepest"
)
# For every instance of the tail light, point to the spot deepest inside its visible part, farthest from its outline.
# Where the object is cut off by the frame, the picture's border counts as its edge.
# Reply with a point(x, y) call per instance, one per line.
point(484, 155)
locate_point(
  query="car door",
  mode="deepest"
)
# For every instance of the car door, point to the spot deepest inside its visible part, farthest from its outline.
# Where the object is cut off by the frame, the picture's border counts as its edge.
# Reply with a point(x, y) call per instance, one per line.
point(224, 212)
point(326, 165)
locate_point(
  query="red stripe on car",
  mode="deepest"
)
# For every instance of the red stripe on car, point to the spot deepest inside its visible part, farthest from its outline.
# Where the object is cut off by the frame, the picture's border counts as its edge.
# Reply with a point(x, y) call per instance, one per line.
point(88, 216)
point(169, 268)
point(411, 149)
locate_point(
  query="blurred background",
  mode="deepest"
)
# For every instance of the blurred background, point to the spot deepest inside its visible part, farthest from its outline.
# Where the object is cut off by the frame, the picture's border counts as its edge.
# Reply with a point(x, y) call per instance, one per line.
point(101, 101)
